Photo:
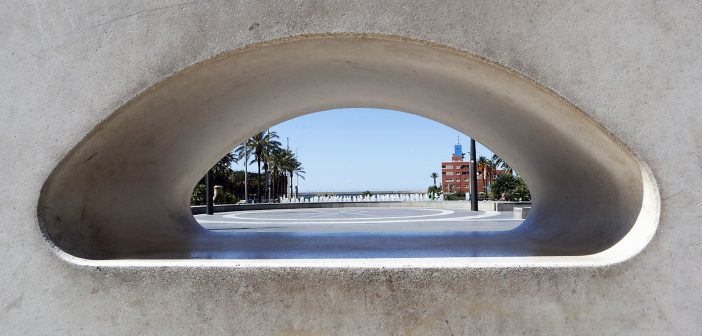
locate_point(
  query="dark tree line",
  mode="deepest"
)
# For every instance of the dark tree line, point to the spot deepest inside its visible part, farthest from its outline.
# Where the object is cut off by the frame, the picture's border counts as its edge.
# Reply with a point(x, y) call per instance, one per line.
point(279, 166)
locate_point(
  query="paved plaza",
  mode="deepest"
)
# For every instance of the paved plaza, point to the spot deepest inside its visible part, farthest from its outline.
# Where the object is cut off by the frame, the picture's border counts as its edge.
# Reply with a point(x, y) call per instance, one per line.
point(360, 220)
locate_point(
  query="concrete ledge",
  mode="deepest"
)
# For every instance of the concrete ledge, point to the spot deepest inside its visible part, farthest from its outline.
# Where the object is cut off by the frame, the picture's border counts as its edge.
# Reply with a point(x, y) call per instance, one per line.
point(509, 206)
point(521, 212)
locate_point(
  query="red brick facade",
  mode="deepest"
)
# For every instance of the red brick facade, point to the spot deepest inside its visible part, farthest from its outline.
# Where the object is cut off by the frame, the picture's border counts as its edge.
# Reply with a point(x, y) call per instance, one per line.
point(455, 176)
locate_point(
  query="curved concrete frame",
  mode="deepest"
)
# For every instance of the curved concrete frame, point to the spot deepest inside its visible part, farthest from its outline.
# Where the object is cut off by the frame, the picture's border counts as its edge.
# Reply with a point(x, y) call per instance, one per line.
point(632, 67)
point(124, 191)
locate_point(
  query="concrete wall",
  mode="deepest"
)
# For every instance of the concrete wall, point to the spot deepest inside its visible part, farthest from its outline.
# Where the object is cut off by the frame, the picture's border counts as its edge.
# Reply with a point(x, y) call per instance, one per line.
point(633, 68)
point(150, 151)
point(509, 206)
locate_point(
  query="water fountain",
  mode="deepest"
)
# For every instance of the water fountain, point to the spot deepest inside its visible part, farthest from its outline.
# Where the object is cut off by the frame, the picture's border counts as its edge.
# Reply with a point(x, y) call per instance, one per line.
point(414, 197)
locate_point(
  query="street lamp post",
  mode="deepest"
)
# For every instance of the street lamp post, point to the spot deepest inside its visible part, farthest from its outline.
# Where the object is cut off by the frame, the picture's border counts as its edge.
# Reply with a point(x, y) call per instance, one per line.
point(473, 178)
point(209, 193)
point(246, 171)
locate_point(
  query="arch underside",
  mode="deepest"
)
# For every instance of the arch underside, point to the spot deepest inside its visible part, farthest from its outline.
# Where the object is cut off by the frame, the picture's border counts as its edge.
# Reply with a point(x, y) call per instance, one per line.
point(124, 191)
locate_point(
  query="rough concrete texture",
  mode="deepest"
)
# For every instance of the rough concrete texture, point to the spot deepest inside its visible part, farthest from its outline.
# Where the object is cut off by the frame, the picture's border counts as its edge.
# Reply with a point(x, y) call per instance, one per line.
point(634, 68)
point(588, 190)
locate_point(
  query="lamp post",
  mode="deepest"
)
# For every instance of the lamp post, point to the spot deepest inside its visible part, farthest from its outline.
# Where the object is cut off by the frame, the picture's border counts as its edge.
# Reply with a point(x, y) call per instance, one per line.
point(246, 171)
point(209, 193)
point(473, 178)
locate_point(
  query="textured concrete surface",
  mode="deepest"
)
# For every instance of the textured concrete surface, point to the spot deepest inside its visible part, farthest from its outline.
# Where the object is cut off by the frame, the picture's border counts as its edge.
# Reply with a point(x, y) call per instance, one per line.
point(589, 192)
point(353, 233)
point(360, 220)
point(634, 68)
point(509, 206)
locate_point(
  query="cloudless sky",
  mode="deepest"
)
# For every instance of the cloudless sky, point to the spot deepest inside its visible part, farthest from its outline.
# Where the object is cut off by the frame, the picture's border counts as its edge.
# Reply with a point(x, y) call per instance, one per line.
point(369, 149)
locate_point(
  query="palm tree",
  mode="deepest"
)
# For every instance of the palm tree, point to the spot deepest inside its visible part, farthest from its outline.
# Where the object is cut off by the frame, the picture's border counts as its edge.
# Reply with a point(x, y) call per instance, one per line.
point(507, 169)
point(288, 164)
point(243, 151)
point(281, 161)
point(222, 166)
point(262, 145)
point(272, 170)
point(499, 163)
point(434, 176)
point(297, 171)
point(483, 165)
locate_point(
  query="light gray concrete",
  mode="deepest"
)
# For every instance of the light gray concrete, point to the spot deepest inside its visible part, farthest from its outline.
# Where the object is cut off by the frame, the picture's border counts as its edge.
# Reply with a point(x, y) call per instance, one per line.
point(509, 206)
point(353, 232)
point(521, 212)
point(632, 67)
point(360, 219)
point(159, 140)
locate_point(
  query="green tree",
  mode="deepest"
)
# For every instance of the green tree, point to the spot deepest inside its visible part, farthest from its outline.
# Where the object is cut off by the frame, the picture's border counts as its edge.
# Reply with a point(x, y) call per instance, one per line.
point(433, 191)
point(288, 163)
point(521, 192)
point(284, 167)
point(513, 187)
point(220, 172)
point(231, 182)
point(198, 196)
point(457, 196)
point(297, 171)
point(484, 166)
point(434, 176)
point(275, 161)
point(499, 163)
point(502, 185)
point(262, 145)
point(280, 167)
point(222, 168)
point(243, 152)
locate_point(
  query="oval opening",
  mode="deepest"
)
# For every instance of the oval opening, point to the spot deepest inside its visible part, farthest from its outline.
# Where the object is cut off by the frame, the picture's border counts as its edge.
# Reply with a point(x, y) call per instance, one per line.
point(360, 170)
point(124, 191)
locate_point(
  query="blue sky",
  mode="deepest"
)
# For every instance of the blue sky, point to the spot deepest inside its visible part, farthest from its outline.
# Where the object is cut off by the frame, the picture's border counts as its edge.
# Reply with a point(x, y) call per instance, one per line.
point(369, 149)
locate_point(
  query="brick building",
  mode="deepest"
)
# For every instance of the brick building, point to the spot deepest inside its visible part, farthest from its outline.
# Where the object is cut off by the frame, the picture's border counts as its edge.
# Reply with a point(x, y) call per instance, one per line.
point(455, 174)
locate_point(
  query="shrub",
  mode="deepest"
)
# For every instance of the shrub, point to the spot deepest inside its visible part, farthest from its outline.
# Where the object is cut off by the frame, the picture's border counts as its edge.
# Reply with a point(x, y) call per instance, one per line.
point(198, 196)
point(459, 196)
point(521, 192)
point(513, 187)
point(434, 189)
